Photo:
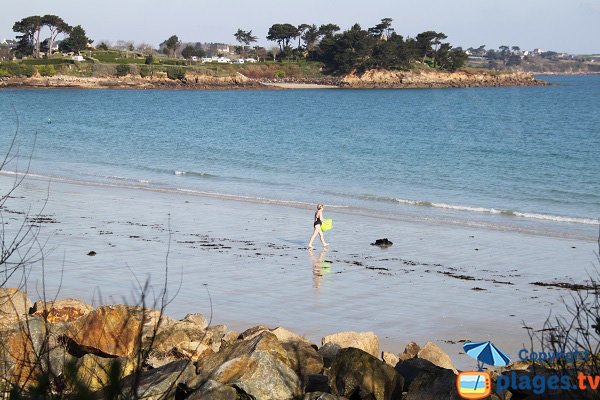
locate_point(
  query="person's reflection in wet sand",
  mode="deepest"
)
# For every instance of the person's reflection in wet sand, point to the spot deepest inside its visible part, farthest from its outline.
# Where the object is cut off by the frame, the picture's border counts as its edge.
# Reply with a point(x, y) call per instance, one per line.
point(318, 263)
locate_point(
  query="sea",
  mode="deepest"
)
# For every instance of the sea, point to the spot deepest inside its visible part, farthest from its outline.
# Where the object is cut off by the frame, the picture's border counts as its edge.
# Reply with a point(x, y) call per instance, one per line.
point(506, 158)
point(491, 197)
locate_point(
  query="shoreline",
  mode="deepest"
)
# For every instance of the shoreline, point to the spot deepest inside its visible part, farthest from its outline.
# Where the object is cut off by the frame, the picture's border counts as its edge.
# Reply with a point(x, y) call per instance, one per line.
point(262, 264)
point(369, 80)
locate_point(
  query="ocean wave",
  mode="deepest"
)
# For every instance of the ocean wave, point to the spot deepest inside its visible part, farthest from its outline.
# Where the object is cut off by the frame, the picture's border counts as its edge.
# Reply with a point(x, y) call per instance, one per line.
point(496, 211)
point(193, 173)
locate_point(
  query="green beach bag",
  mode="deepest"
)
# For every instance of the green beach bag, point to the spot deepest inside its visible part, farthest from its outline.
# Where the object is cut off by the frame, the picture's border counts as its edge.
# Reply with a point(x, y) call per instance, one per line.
point(326, 225)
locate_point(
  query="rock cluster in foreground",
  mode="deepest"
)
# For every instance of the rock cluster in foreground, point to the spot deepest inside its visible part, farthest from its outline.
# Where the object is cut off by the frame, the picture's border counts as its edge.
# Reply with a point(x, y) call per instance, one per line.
point(132, 349)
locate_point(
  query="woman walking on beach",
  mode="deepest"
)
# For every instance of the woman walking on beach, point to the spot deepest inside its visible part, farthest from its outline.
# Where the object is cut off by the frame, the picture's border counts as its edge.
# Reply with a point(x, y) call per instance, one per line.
point(317, 227)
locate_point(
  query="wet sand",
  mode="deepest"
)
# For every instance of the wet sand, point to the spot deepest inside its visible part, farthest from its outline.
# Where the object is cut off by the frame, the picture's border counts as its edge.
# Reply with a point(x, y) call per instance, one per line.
point(441, 283)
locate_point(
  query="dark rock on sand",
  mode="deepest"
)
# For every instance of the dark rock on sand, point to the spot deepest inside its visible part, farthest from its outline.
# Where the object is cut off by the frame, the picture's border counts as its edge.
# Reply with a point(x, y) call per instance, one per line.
point(91, 253)
point(357, 374)
point(382, 243)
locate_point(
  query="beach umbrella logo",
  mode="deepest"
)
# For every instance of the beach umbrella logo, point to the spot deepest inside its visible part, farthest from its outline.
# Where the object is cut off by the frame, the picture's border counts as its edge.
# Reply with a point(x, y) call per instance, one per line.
point(478, 384)
point(486, 353)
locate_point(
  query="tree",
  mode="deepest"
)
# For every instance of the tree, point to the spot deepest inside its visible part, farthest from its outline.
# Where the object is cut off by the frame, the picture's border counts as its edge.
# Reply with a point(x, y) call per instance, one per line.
point(504, 53)
point(28, 41)
point(301, 29)
point(348, 51)
point(282, 34)
point(311, 37)
point(76, 41)
point(56, 26)
point(424, 41)
point(192, 51)
point(245, 38)
point(328, 30)
point(102, 46)
point(437, 41)
point(172, 44)
point(383, 29)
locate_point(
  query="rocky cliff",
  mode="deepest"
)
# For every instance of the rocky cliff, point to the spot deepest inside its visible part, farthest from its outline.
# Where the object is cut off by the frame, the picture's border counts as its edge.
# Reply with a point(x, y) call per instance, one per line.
point(369, 79)
point(438, 79)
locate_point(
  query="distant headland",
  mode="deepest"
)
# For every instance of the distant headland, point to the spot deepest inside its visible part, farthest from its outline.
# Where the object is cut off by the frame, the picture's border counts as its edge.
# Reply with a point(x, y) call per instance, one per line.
point(305, 56)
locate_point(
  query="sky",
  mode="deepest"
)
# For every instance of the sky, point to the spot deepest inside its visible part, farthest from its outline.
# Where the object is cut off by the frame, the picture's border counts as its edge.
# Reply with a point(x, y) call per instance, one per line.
point(560, 25)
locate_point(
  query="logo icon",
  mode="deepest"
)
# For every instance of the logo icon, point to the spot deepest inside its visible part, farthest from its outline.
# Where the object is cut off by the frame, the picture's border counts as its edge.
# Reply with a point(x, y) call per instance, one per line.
point(474, 385)
point(478, 384)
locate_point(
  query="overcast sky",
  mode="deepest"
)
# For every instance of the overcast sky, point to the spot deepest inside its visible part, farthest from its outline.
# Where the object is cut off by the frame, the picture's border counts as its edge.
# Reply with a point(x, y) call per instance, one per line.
point(560, 25)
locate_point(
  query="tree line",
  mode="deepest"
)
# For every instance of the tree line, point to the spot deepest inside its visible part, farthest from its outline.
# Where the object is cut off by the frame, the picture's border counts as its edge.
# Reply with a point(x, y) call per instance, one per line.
point(355, 49)
point(30, 28)
point(358, 49)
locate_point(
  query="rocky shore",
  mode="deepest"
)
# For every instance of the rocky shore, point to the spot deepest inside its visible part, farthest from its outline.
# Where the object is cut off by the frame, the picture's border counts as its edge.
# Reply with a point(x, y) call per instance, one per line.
point(370, 79)
point(67, 346)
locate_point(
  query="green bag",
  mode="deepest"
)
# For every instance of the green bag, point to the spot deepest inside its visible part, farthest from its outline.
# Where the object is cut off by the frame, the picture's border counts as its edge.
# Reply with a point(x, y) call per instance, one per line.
point(326, 225)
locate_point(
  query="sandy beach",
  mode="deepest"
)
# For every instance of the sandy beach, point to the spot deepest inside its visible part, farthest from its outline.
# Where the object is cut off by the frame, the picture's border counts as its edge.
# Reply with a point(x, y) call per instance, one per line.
point(443, 283)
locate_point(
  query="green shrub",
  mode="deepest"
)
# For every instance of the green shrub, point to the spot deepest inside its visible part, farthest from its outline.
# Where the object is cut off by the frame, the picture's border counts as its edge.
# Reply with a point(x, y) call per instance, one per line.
point(279, 74)
point(28, 70)
point(5, 73)
point(176, 73)
point(123, 69)
point(47, 70)
point(150, 60)
point(145, 71)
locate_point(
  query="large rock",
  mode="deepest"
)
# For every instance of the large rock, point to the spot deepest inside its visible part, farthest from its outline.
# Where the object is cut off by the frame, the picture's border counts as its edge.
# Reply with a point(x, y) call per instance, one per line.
point(329, 352)
point(109, 331)
point(365, 341)
point(321, 396)
point(21, 349)
point(213, 390)
point(304, 359)
point(426, 381)
point(197, 319)
point(172, 335)
point(64, 310)
point(410, 351)
point(431, 352)
point(259, 367)
point(160, 383)
point(357, 374)
point(284, 335)
point(97, 372)
point(251, 333)
point(14, 306)
point(390, 359)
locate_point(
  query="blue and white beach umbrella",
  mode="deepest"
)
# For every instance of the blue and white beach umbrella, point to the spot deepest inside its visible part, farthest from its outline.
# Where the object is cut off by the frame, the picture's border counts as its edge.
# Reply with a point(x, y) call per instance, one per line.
point(486, 353)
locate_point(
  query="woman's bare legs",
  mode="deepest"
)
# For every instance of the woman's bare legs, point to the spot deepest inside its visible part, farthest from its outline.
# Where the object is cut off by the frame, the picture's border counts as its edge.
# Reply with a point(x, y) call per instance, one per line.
point(316, 232)
point(314, 235)
point(322, 237)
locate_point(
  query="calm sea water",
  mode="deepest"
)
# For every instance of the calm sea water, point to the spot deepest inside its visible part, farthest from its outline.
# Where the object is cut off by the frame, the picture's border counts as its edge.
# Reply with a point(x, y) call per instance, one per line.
point(509, 158)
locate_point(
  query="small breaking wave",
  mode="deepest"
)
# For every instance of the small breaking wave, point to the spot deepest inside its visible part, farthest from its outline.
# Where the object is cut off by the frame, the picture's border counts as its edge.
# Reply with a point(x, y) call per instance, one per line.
point(194, 173)
point(496, 211)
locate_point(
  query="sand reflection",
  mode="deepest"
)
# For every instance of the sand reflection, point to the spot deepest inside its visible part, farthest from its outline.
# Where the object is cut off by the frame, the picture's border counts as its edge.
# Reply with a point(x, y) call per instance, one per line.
point(320, 267)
